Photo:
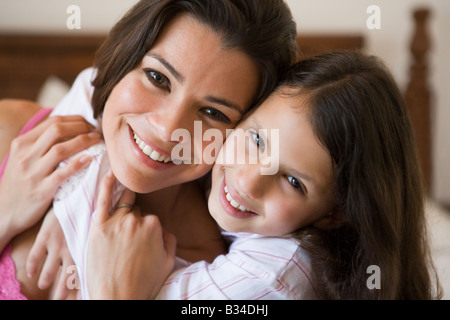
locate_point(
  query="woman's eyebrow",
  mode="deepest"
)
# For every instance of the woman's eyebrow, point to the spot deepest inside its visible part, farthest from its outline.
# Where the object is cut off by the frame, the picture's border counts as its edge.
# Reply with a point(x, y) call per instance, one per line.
point(225, 103)
point(180, 78)
point(168, 66)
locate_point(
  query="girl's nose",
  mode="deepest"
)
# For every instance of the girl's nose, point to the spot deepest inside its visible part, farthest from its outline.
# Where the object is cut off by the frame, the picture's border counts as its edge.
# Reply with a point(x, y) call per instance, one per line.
point(250, 182)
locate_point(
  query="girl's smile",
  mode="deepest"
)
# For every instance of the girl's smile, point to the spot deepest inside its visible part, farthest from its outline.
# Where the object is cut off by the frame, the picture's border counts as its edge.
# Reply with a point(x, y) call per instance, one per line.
point(232, 203)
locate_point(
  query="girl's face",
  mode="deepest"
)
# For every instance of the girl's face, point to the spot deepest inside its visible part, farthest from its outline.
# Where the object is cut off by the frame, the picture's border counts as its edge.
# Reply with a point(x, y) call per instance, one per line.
point(185, 77)
point(300, 193)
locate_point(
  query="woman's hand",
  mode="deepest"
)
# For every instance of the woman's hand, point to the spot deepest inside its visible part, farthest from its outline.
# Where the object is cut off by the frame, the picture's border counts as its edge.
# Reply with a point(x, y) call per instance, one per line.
point(129, 255)
point(50, 246)
point(30, 180)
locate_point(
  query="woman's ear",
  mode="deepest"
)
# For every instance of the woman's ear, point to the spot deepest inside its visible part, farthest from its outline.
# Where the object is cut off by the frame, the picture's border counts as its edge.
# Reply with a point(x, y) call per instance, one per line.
point(332, 220)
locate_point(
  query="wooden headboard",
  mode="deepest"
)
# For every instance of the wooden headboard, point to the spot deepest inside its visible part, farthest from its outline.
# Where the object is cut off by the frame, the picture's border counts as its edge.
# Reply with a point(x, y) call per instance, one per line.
point(310, 45)
point(26, 62)
point(418, 93)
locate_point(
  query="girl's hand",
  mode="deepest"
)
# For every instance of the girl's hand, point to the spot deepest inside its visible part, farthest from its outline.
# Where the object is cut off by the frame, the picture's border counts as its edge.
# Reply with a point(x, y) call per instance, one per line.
point(50, 246)
point(30, 180)
point(129, 255)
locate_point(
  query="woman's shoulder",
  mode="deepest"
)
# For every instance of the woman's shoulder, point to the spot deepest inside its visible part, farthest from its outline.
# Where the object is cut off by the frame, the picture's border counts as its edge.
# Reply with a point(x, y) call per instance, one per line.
point(14, 114)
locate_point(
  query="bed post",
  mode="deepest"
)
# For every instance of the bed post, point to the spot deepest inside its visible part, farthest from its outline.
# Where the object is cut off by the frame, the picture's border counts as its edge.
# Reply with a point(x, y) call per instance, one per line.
point(418, 95)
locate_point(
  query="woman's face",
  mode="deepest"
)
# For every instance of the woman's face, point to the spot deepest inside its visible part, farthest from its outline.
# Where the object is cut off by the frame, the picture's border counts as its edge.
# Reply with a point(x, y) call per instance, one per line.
point(186, 76)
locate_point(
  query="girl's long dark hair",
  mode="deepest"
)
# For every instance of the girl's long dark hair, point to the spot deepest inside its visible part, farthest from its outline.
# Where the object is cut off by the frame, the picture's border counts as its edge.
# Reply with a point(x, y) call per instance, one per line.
point(359, 115)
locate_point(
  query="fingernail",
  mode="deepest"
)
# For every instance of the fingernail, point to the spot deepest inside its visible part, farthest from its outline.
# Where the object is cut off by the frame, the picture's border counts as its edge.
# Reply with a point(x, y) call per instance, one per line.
point(85, 158)
point(94, 135)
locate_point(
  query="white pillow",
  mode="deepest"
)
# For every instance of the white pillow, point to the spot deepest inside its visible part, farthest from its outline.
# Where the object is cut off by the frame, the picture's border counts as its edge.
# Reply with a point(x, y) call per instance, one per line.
point(52, 91)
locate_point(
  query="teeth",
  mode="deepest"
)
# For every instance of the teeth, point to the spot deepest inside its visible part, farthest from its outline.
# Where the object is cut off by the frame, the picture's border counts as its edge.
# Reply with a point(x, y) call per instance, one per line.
point(154, 155)
point(233, 202)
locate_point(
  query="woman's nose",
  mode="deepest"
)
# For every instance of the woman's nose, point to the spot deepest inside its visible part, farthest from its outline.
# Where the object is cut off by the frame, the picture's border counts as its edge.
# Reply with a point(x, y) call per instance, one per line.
point(166, 123)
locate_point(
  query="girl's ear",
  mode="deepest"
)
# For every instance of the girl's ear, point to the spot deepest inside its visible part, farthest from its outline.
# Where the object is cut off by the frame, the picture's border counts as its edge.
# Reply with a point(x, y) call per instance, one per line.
point(332, 220)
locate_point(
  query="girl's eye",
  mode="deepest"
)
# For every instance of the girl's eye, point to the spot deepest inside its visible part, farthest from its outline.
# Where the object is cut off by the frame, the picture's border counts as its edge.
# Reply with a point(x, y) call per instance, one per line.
point(257, 139)
point(156, 78)
point(296, 184)
point(216, 115)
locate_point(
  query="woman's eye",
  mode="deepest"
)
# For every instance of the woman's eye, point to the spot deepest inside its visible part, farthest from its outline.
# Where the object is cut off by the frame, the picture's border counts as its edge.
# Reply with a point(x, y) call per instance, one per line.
point(296, 184)
point(157, 78)
point(257, 139)
point(216, 115)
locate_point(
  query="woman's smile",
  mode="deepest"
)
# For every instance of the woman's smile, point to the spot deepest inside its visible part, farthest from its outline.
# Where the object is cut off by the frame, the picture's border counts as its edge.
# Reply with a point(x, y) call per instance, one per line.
point(149, 151)
point(148, 154)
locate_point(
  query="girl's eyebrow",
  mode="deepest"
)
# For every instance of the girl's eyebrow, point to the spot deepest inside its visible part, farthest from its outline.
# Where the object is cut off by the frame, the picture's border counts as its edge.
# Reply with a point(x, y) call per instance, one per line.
point(302, 176)
point(291, 169)
point(179, 77)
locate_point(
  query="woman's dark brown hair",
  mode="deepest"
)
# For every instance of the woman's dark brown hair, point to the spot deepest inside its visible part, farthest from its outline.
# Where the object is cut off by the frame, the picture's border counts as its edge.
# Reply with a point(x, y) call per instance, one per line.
point(262, 29)
point(359, 115)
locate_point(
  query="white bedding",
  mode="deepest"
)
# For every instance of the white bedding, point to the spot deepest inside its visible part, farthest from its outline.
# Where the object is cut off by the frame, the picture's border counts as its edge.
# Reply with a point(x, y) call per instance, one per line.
point(439, 229)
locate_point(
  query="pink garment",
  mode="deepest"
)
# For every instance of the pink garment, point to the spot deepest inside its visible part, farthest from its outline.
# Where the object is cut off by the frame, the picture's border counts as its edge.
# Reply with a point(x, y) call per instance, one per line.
point(9, 286)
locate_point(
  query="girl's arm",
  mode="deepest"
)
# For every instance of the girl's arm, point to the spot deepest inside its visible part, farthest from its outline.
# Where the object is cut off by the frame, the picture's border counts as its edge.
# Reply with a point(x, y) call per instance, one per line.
point(51, 257)
point(14, 114)
point(30, 180)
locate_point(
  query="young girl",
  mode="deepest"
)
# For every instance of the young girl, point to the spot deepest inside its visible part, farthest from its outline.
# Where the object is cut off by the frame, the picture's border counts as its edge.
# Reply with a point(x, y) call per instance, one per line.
point(347, 197)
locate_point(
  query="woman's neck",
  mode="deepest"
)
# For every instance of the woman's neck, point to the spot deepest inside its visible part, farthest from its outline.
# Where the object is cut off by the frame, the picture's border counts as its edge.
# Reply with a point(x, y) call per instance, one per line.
point(182, 211)
point(160, 203)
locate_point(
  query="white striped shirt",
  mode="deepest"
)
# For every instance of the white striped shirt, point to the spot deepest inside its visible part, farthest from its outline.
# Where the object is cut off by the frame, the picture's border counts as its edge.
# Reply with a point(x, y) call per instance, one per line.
point(75, 201)
point(255, 268)
point(75, 207)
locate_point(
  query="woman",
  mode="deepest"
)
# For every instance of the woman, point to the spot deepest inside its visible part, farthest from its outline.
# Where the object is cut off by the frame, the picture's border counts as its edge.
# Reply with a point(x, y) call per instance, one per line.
point(236, 52)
